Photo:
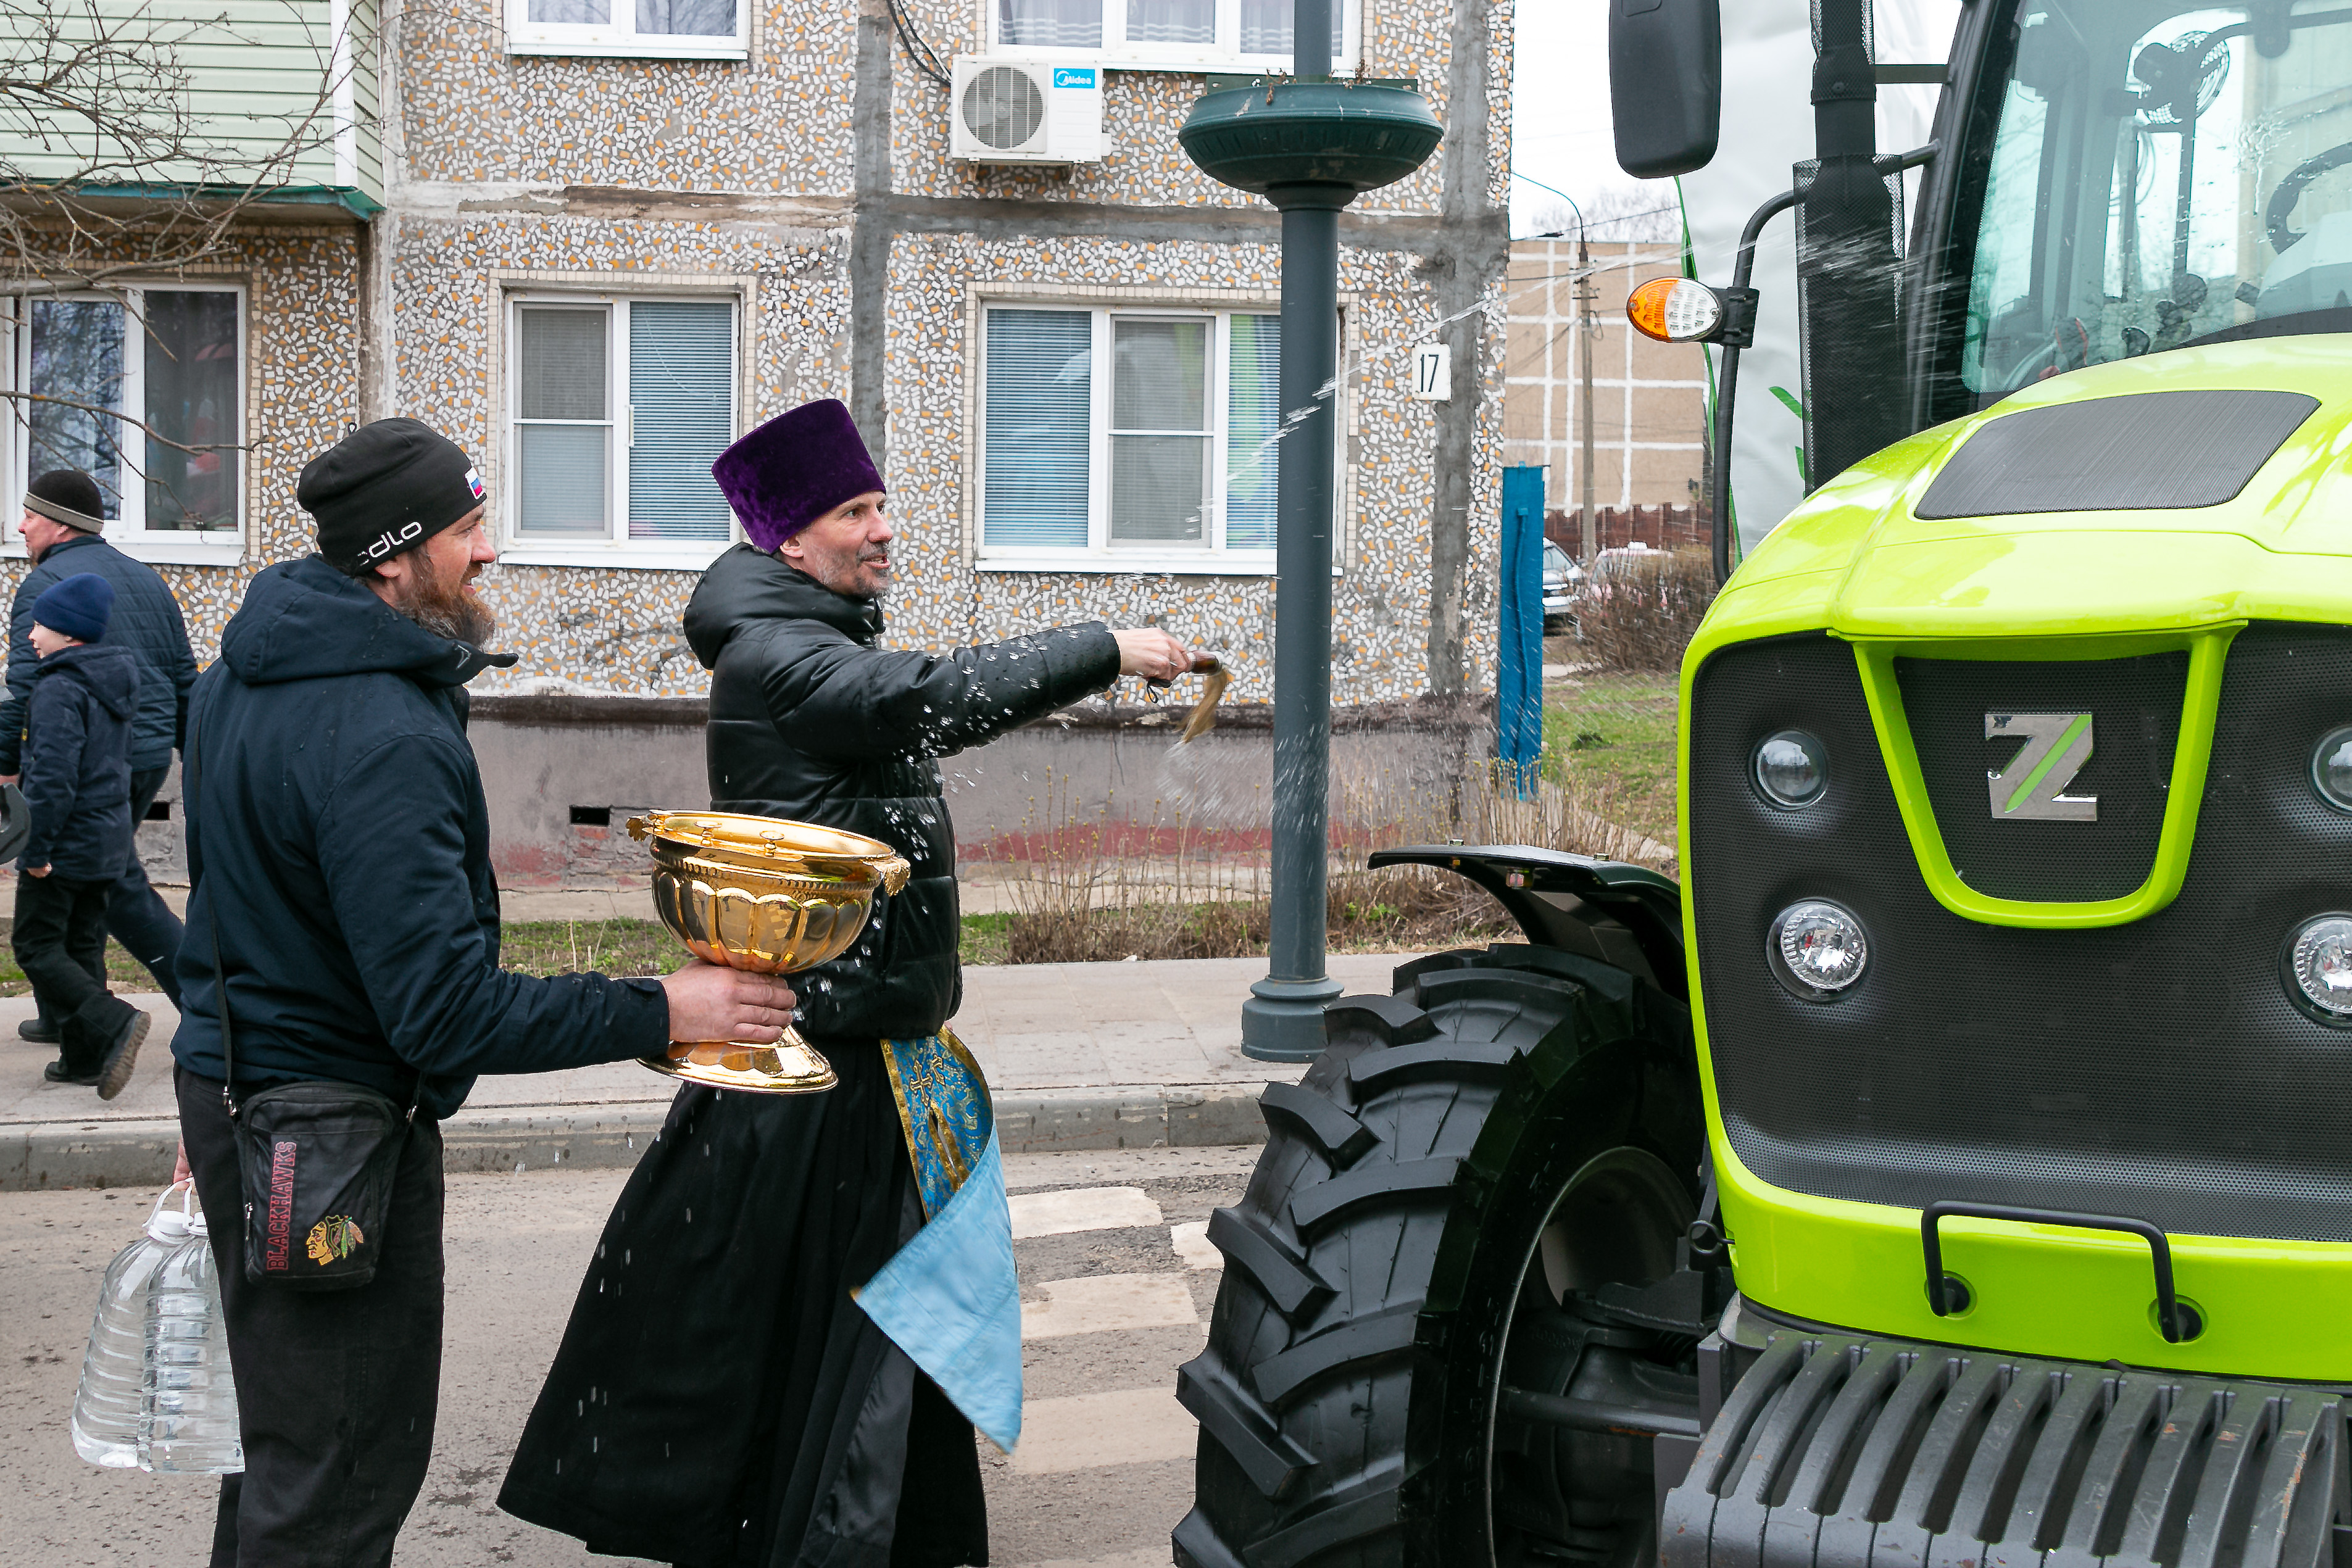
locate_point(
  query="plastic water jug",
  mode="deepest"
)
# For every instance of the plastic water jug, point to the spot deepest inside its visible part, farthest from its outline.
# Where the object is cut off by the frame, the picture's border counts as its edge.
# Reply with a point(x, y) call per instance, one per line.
point(155, 1388)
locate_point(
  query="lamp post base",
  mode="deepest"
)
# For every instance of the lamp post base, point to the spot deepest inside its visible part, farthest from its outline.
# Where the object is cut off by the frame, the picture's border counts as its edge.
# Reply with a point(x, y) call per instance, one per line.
point(1283, 1019)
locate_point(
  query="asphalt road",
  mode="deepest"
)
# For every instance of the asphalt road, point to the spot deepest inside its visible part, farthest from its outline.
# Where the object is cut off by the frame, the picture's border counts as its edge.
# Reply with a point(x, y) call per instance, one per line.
point(1116, 1286)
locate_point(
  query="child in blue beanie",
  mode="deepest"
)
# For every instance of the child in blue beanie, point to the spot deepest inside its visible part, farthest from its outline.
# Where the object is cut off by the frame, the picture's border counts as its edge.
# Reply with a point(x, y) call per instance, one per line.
point(76, 781)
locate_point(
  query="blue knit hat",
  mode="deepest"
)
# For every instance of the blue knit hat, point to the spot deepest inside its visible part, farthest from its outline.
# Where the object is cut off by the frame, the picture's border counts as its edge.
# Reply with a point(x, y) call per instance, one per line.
point(78, 607)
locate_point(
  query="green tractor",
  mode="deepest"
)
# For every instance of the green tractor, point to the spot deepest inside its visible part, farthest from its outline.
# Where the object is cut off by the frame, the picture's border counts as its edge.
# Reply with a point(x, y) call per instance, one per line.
point(1956, 1168)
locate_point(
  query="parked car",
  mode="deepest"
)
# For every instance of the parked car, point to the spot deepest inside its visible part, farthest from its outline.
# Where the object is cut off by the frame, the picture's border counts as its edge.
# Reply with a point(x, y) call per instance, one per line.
point(1562, 580)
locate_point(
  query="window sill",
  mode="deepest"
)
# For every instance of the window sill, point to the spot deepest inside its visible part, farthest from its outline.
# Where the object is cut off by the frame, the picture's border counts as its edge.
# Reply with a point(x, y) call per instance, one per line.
point(1134, 59)
point(157, 553)
point(631, 48)
point(694, 557)
point(1126, 562)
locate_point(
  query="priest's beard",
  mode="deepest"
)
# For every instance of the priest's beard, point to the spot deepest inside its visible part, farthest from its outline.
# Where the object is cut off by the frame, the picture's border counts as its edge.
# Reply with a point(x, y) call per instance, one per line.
point(440, 603)
point(861, 570)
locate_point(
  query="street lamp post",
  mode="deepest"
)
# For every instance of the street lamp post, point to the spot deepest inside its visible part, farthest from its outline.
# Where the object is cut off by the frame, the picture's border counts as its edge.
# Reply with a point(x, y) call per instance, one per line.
point(1310, 145)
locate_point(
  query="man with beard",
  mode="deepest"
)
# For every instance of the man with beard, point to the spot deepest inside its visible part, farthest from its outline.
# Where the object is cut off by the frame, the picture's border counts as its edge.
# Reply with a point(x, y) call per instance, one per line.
point(343, 931)
point(719, 1398)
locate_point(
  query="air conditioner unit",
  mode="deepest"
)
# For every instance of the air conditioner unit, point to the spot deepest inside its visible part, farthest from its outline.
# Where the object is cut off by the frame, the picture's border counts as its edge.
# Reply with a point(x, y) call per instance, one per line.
point(1009, 109)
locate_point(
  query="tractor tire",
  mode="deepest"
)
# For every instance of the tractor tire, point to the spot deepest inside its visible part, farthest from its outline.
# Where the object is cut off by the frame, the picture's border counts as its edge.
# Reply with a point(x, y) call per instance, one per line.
point(1468, 1160)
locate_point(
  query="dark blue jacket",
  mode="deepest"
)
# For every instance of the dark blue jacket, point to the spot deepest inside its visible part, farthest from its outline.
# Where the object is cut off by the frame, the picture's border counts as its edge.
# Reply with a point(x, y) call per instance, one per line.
point(146, 620)
point(339, 846)
point(77, 761)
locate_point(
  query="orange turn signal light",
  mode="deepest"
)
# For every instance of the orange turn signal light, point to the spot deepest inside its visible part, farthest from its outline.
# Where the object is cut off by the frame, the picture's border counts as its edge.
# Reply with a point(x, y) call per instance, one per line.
point(1675, 310)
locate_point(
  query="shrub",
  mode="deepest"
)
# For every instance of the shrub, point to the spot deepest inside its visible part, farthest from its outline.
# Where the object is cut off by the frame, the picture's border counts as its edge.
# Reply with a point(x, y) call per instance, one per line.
point(1642, 608)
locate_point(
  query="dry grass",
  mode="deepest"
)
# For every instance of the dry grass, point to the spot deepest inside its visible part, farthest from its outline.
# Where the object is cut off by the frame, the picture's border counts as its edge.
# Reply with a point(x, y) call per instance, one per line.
point(1078, 902)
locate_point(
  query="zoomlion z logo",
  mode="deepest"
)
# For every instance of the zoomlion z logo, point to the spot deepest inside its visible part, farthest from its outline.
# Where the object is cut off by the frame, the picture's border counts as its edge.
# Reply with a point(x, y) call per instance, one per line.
point(2032, 787)
point(332, 1239)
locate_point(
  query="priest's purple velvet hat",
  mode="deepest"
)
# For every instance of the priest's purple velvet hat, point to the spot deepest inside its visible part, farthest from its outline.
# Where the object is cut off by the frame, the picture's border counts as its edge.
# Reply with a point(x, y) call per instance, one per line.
point(794, 469)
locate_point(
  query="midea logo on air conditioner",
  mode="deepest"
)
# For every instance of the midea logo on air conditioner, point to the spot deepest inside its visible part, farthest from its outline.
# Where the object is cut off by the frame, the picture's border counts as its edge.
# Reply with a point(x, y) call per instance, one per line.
point(1011, 109)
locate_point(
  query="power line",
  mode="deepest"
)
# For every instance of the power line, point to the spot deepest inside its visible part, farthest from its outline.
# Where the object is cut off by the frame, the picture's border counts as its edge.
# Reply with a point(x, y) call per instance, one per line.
point(920, 52)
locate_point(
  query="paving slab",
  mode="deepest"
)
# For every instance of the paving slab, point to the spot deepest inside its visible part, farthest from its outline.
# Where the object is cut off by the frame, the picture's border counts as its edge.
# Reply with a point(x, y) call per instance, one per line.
point(1141, 1054)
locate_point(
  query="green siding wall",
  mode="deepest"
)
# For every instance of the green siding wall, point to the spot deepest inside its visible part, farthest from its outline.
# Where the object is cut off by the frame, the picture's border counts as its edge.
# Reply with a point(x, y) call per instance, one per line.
point(260, 73)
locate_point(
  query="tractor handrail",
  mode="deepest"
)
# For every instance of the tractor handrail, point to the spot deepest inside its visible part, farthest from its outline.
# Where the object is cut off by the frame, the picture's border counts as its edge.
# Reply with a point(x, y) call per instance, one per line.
point(1743, 267)
point(2167, 1306)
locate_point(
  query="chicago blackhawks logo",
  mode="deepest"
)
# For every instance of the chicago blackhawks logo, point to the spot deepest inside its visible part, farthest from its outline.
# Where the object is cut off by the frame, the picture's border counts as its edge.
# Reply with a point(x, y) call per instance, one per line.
point(333, 1239)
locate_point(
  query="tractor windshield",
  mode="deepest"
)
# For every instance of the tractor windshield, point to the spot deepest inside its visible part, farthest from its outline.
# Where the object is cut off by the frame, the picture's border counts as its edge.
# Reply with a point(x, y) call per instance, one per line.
point(2162, 175)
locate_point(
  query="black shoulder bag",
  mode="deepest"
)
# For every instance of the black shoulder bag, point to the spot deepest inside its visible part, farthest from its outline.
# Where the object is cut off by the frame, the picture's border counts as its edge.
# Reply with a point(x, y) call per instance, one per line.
point(316, 1161)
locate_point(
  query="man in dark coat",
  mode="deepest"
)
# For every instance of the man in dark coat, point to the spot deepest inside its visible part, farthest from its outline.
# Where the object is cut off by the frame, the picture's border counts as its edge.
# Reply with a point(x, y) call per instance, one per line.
point(63, 514)
point(719, 1398)
point(345, 921)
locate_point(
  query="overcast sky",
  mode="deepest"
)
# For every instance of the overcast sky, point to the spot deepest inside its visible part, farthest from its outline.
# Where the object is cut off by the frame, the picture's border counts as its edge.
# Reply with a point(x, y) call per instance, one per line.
point(1560, 106)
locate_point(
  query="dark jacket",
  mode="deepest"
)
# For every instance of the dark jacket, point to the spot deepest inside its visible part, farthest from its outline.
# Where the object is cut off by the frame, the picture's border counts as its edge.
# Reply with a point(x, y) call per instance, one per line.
point(810, 720)
point(146, 620)
point(77, 762)
point(340, 847)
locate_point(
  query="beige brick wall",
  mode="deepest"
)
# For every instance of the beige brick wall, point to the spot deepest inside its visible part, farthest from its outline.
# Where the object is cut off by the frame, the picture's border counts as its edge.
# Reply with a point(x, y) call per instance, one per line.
point(1649, 399)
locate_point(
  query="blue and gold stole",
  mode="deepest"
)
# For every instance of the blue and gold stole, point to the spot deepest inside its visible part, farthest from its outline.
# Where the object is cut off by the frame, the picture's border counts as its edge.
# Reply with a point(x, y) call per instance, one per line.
point(949, 1297)
point(943, 1106)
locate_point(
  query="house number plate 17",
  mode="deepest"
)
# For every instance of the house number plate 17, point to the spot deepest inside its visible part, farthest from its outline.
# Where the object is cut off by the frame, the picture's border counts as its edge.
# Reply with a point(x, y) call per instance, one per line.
point(1432, 373)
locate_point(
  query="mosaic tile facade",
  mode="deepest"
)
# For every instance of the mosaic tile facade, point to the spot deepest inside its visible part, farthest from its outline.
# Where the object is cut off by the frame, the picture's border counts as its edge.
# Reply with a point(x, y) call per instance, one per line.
point(514, 173)
point(1142, 113)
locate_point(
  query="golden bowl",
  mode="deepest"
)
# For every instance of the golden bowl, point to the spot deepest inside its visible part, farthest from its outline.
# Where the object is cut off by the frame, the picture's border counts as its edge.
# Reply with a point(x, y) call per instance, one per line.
point(767, 895)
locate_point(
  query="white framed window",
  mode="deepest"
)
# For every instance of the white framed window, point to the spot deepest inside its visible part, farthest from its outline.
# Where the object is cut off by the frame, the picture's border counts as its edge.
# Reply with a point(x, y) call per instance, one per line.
point(143, 388)
point(616, 407)
point(1169, 35)
point(1128, 440)
point(674, 29)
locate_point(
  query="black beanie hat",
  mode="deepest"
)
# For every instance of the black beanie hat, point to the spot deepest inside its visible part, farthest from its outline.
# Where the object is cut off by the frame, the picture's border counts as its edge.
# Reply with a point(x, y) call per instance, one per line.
point(384, 489)
point(67, 496)
point(79, 606)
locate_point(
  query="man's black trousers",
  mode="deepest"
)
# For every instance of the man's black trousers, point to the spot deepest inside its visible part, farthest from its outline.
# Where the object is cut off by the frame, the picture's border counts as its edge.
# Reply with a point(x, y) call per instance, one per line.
point(336, 1390)
point(61, 942)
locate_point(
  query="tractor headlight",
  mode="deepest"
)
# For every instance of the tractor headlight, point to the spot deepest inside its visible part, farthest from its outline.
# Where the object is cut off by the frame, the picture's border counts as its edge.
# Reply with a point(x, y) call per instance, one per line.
point(2319, 961)
point(2331, 769)
point(1790, 768)
point(1818, 949)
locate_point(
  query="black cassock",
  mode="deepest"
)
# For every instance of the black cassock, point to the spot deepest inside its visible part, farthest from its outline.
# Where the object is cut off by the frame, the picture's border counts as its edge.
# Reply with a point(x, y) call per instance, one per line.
point(719, 1398)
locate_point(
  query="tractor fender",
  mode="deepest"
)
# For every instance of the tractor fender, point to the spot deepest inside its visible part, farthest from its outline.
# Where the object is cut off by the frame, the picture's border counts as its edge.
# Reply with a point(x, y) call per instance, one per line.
point(1627, 916)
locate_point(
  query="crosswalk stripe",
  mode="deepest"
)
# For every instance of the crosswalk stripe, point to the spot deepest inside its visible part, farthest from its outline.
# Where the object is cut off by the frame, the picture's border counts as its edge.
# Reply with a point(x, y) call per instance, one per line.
point(1191, 1243)
point(1036, 1214)
point(1105, 1303)
point(1090, 1431)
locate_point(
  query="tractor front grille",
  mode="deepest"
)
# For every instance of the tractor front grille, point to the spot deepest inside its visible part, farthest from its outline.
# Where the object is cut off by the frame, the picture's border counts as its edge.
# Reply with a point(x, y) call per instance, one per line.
point(2137, 705)
point(2154, 1069)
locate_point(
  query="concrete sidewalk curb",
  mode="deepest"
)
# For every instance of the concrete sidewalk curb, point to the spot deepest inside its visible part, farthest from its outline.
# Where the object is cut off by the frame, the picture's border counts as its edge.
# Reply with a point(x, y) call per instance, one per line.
point(39, 1156)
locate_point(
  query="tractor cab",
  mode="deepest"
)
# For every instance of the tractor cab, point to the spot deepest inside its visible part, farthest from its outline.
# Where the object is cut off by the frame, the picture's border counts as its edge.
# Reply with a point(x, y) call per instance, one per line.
point(2146, 178)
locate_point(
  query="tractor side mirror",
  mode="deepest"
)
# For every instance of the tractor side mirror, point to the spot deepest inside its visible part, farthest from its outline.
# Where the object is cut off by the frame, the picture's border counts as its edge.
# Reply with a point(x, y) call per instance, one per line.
point(1666, 84)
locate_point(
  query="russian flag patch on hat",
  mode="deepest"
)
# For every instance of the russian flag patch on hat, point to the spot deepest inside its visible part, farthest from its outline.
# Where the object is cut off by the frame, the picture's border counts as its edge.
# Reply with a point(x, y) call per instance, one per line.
point(474, 483)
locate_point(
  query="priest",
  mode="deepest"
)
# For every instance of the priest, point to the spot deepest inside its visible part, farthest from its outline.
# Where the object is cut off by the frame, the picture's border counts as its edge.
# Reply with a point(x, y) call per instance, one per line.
point(720, 1397)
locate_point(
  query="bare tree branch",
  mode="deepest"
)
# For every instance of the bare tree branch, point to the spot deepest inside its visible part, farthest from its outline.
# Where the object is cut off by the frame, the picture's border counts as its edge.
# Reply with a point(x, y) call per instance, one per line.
point(106, 412)
point(114, 174)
